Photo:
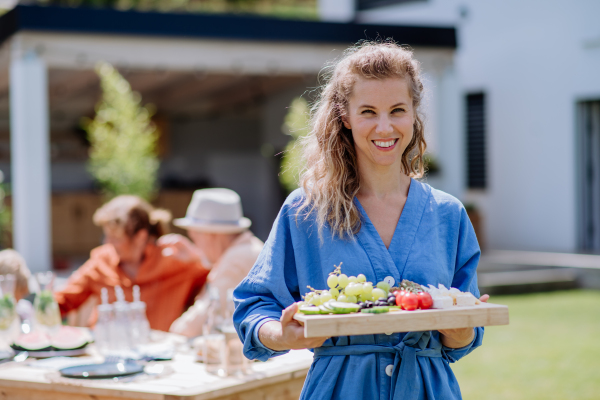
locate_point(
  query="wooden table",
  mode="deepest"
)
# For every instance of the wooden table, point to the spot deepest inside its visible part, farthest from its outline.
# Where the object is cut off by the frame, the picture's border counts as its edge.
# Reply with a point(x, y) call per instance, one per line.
point(279, 378)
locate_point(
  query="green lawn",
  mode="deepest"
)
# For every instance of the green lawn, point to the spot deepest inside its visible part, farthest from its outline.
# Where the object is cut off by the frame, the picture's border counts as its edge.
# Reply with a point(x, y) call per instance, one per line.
point(550, 350)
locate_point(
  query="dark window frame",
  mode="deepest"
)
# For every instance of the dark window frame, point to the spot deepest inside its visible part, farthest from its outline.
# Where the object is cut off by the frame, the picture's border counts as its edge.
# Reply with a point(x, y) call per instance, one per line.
point(475, 124)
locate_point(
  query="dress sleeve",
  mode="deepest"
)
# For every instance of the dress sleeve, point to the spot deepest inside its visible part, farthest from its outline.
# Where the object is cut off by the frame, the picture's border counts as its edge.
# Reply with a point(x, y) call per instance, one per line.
point(465, 279)
point(270, 287)
point(77, 290)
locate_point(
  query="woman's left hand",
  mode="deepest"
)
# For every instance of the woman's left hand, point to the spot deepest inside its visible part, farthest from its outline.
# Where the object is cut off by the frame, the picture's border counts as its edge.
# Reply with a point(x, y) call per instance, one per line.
point(457, 338)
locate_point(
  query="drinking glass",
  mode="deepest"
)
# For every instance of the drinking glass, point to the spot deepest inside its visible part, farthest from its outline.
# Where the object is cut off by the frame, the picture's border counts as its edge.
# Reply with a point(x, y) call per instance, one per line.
point(214, 352)
point(236, 362)
point(8, 313)
point(47, 314)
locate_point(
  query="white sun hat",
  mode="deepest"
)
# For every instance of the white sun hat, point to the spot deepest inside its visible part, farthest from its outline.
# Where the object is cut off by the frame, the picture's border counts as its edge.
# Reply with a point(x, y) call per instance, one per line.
point(214, 211)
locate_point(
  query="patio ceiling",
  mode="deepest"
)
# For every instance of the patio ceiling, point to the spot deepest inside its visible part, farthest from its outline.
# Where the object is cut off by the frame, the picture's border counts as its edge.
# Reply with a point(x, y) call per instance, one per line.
point(74, 93)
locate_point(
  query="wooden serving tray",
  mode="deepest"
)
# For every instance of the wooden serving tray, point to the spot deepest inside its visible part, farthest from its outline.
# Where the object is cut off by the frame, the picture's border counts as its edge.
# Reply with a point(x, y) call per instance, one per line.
point(327, 325)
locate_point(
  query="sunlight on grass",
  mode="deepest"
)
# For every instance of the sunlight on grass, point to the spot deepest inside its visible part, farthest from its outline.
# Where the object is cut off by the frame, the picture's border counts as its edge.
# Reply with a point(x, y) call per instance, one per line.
point(550, 350)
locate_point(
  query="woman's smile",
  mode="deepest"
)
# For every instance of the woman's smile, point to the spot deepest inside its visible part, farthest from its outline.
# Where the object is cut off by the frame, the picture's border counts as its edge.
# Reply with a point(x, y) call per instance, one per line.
point(385, 144)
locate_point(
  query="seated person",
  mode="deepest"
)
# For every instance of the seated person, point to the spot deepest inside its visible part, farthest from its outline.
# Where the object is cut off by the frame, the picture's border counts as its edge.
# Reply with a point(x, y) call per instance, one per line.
point(220, 235)
point(130, 256)
point(12, 263)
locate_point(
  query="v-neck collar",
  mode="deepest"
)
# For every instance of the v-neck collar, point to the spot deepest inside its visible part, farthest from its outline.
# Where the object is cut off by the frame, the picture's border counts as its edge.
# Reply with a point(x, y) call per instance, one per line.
point(382, 258)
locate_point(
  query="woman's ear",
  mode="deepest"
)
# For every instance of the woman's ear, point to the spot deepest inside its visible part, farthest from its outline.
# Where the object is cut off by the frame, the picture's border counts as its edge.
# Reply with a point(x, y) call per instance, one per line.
point(346, 123)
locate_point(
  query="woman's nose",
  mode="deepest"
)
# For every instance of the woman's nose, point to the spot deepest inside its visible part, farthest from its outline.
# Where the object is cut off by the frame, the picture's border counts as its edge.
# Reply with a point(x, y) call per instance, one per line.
point(384, 126)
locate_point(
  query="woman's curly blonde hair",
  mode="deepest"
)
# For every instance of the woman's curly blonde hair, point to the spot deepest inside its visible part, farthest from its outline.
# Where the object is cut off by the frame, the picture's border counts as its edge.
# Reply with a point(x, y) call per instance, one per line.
point(331, 179)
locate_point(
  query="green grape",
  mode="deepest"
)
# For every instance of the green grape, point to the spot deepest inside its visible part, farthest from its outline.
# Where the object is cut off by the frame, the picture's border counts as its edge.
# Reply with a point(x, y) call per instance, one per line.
point(367, 287)
point(352, 279)
point(352, 299)
point(309, 296)
point(349, 289)
point(316, 300)
point(325, 296)
point(334, 292)
point(342, 298)
point(342, 281)
point(383, 286)
point(332, 281)
point(366, 296)
point(353, 289)
point(361, 278)
point(378, 293)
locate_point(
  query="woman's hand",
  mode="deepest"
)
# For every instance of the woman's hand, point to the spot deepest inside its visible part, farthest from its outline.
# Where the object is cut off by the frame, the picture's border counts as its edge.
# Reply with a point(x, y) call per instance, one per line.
point(287, 334)
point(182, 248)
point(457, 338)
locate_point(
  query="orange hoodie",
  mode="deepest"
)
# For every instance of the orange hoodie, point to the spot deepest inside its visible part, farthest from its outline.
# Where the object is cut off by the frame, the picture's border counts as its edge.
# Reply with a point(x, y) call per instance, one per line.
point(167, 285)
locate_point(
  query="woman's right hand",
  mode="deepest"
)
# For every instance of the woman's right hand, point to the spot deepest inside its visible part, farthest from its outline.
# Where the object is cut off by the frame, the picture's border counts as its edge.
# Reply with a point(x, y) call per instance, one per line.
point(287, 334)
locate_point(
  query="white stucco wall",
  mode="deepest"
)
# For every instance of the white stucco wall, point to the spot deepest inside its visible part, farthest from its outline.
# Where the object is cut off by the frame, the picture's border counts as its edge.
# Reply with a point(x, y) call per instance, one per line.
point(534, 60)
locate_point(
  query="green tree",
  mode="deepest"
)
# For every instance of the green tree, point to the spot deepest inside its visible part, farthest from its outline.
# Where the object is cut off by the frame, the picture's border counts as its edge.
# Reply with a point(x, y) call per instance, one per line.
point(123, 155)
point(297, 126)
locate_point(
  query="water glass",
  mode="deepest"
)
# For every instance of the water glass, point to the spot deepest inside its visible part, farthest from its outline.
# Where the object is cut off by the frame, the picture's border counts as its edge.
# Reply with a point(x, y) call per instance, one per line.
point(214, 353)
point(46, 309)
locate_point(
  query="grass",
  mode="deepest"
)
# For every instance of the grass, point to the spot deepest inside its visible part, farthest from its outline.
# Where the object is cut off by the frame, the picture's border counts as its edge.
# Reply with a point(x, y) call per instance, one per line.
point(550, 350)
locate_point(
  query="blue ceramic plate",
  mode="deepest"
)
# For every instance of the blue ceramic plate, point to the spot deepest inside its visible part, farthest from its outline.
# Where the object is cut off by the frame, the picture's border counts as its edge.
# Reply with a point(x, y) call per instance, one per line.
point(102, 371)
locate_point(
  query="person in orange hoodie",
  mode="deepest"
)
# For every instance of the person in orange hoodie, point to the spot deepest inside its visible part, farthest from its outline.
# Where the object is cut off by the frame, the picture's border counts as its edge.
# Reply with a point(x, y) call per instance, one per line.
point(129, 257)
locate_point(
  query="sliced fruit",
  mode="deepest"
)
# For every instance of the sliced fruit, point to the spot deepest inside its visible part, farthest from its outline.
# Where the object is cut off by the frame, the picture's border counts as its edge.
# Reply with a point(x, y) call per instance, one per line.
point(343, 308)
point(309, 310)
point(70, 338)
point(323, 309)
point(375, 310)
point(33, 341)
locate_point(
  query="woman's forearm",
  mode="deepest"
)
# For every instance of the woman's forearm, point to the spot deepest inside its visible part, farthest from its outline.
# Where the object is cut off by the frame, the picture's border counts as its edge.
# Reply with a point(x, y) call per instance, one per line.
point(270, 335)
point(457, 338)
point(286, 334)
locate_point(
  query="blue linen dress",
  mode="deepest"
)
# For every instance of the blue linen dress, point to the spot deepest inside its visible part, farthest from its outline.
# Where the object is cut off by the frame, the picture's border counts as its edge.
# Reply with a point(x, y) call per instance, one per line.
point(434, 242)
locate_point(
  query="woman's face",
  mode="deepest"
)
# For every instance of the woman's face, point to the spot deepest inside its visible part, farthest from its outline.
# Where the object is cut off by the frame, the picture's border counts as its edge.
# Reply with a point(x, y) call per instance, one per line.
point(129, 250)
point(381, 116)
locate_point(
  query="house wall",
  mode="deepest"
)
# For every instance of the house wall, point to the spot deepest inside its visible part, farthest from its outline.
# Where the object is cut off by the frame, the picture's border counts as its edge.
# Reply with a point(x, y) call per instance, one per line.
point(535, 61)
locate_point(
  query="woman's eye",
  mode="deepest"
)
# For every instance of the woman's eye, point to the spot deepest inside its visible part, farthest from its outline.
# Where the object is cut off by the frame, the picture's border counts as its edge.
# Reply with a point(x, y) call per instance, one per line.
point(368, 112)
point(398, 110)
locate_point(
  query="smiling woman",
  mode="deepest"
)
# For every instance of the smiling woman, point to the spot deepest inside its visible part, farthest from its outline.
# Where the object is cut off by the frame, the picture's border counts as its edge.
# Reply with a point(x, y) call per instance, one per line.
point(360, 205)
point(373, 94)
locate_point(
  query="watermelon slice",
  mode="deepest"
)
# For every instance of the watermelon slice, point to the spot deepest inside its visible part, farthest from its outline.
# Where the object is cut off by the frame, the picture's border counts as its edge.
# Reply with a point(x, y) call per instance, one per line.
point(34, 341)
point(70, 338)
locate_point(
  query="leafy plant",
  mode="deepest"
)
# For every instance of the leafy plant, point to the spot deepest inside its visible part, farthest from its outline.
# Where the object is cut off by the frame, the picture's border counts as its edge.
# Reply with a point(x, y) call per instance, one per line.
point(295, 125)
point(5, 215)
point(7, 311)
point(123, 154)
point(297, 9)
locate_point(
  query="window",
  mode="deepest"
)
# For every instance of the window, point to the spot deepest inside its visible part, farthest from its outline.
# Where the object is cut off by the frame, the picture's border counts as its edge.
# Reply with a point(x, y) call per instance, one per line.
point(476, 162)
point(589, 174)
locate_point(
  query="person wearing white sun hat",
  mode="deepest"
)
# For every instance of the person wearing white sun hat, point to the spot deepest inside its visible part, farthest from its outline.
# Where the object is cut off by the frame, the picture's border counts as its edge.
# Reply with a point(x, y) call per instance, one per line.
point(221, 240)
